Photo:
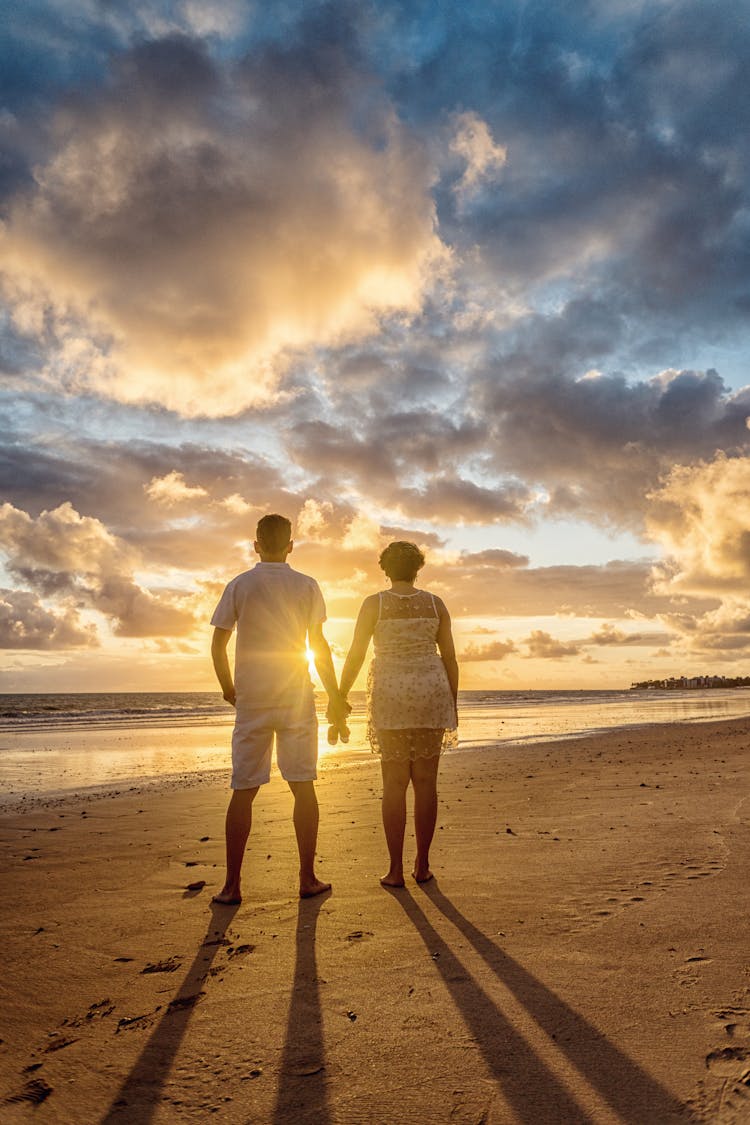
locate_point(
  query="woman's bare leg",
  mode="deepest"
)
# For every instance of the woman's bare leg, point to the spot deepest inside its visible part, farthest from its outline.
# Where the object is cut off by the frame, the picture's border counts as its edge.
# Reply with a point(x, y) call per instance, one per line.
point(395, 782)
point(424, 779)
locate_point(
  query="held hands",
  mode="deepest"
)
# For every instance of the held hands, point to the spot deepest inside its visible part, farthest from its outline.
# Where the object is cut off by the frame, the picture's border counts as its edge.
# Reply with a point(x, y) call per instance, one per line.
point(337, 711)
point(338, 731)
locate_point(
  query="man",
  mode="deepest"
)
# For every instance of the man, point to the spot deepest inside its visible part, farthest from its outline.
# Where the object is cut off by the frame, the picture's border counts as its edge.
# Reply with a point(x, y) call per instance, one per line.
point(275, 609)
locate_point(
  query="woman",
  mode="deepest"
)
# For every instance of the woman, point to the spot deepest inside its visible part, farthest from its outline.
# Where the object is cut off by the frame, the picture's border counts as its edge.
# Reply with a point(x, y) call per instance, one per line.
point(411, 699)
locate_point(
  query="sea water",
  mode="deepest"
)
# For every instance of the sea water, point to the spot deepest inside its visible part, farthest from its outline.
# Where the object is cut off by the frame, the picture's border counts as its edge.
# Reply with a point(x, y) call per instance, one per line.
point(61, 742)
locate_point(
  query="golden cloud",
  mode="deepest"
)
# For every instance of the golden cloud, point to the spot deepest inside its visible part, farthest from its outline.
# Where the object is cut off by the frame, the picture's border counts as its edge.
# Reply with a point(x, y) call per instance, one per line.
point(182, 254)
point(62, 554)
point(172, 488)
point(701, 518)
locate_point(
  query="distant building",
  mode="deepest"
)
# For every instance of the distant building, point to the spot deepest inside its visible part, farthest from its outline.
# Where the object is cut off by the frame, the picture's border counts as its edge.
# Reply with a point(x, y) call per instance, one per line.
point(688, 683)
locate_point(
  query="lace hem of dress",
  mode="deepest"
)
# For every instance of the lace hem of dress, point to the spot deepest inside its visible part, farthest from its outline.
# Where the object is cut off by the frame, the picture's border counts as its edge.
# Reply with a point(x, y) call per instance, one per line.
point(417, 742)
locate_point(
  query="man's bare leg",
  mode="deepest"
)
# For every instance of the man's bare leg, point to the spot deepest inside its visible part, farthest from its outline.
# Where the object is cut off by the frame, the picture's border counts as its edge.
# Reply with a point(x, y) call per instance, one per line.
point(237, 827)
point(395, 783)
point(306, 828)
point(424, 779)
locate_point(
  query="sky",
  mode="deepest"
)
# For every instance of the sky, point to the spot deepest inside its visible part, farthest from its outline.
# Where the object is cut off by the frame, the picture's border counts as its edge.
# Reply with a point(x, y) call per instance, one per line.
point(472, 275)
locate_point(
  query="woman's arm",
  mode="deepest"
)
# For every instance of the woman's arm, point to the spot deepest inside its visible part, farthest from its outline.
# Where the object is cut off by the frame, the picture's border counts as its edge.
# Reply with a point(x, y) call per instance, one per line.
point(447, 648)
point(363, 630)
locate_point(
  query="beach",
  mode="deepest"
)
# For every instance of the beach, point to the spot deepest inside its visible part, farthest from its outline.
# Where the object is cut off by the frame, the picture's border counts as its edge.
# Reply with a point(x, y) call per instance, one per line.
point(580, 956)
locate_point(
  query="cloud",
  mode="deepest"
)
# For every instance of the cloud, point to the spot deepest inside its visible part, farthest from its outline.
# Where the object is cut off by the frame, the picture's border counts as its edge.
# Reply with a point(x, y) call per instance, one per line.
point(609, 635)
point(61, 553)
point(700, 516)
point(109, 481)
point(494, 650)
point(468, 266)
point(473, 142)
point(192, 224)
point(612, 590)
point(494, 557)
point(449, 498)
point(599, 444)
point(536, 432)
point(26, 624)
point(172, 489)
point(543, 646)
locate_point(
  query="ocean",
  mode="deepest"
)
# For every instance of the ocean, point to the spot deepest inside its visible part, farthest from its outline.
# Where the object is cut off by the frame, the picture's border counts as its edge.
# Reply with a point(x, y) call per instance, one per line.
point(57, 743)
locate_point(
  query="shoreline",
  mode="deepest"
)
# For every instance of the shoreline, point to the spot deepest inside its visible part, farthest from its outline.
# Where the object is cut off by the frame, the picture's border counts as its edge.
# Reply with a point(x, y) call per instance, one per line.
point(580, 957)
point(128, 755)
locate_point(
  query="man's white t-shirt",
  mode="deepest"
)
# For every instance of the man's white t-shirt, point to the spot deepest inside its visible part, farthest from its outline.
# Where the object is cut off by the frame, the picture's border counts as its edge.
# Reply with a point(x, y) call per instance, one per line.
point(273, 608)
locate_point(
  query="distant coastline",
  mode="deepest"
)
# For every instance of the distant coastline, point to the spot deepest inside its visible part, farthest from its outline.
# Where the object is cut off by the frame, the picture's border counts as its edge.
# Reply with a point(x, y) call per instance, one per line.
point(688, 683)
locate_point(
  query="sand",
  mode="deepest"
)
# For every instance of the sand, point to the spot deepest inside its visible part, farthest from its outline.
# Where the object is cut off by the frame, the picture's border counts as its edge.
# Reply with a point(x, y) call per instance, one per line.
point(581, 956)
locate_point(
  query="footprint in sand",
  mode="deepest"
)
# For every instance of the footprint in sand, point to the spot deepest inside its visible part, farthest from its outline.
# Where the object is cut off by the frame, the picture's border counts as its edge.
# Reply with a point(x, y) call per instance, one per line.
point(96, 1011)
point(169, 965)
point(57, 1042)
point(135, 1023)
point(686, 974)
point(725, 1096)
point(181, 1002)
point(732, 1066)
point(239, 950)
point(34, 1092)
point(727, 1060)
point(589, 913)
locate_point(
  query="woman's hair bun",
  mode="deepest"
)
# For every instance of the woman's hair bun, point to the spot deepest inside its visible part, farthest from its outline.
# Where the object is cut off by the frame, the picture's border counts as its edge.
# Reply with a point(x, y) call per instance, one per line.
point(401, 561)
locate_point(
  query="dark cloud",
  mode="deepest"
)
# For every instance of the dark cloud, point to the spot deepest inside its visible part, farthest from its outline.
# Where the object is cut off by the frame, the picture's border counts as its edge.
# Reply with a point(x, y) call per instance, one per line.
point(613, 590)
point(609, 635)
point(109, 480)
point(599, 444)
point(626, 147)
point(453, 500)
point(404, 461)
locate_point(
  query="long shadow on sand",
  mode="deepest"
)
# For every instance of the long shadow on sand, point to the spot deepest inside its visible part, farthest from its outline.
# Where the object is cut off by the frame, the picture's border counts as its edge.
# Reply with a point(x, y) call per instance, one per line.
point(303, 1086)
point(526, 1081)
point(140, 1094)
point(529, 1086)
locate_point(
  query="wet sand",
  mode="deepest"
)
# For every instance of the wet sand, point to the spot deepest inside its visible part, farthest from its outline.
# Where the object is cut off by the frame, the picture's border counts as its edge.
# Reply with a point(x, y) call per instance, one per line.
point(581, 956)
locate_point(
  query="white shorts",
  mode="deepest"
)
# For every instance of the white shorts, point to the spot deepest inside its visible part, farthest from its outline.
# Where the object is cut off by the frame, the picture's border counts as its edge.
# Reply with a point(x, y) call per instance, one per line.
point(296, 730)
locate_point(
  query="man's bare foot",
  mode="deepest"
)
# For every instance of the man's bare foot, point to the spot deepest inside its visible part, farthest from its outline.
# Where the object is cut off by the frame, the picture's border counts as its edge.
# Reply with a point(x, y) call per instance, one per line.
point(313, 888)
point(228, 896)
point(422, 874)
point(391, 881)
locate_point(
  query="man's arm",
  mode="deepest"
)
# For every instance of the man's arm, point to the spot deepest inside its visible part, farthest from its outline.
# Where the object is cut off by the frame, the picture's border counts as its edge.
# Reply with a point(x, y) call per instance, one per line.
point(337, 705)
point(219, 656)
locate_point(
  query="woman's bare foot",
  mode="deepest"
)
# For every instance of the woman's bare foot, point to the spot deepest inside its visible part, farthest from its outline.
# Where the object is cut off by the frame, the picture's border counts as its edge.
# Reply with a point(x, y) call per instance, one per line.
point(312, 887)
point(394, 878)
point(422, 874)
point(228, 896)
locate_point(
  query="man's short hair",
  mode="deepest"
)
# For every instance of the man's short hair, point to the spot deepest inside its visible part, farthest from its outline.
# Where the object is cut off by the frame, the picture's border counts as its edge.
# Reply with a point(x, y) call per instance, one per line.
point(274, 533)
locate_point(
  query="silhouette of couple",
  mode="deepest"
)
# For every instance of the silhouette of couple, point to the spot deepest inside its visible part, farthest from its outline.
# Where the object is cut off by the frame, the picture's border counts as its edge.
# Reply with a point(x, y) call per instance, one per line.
point(412, 686)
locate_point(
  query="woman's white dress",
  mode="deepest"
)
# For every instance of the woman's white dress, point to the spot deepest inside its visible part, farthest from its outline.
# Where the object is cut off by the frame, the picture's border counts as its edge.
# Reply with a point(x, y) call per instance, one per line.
point(408, 694)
